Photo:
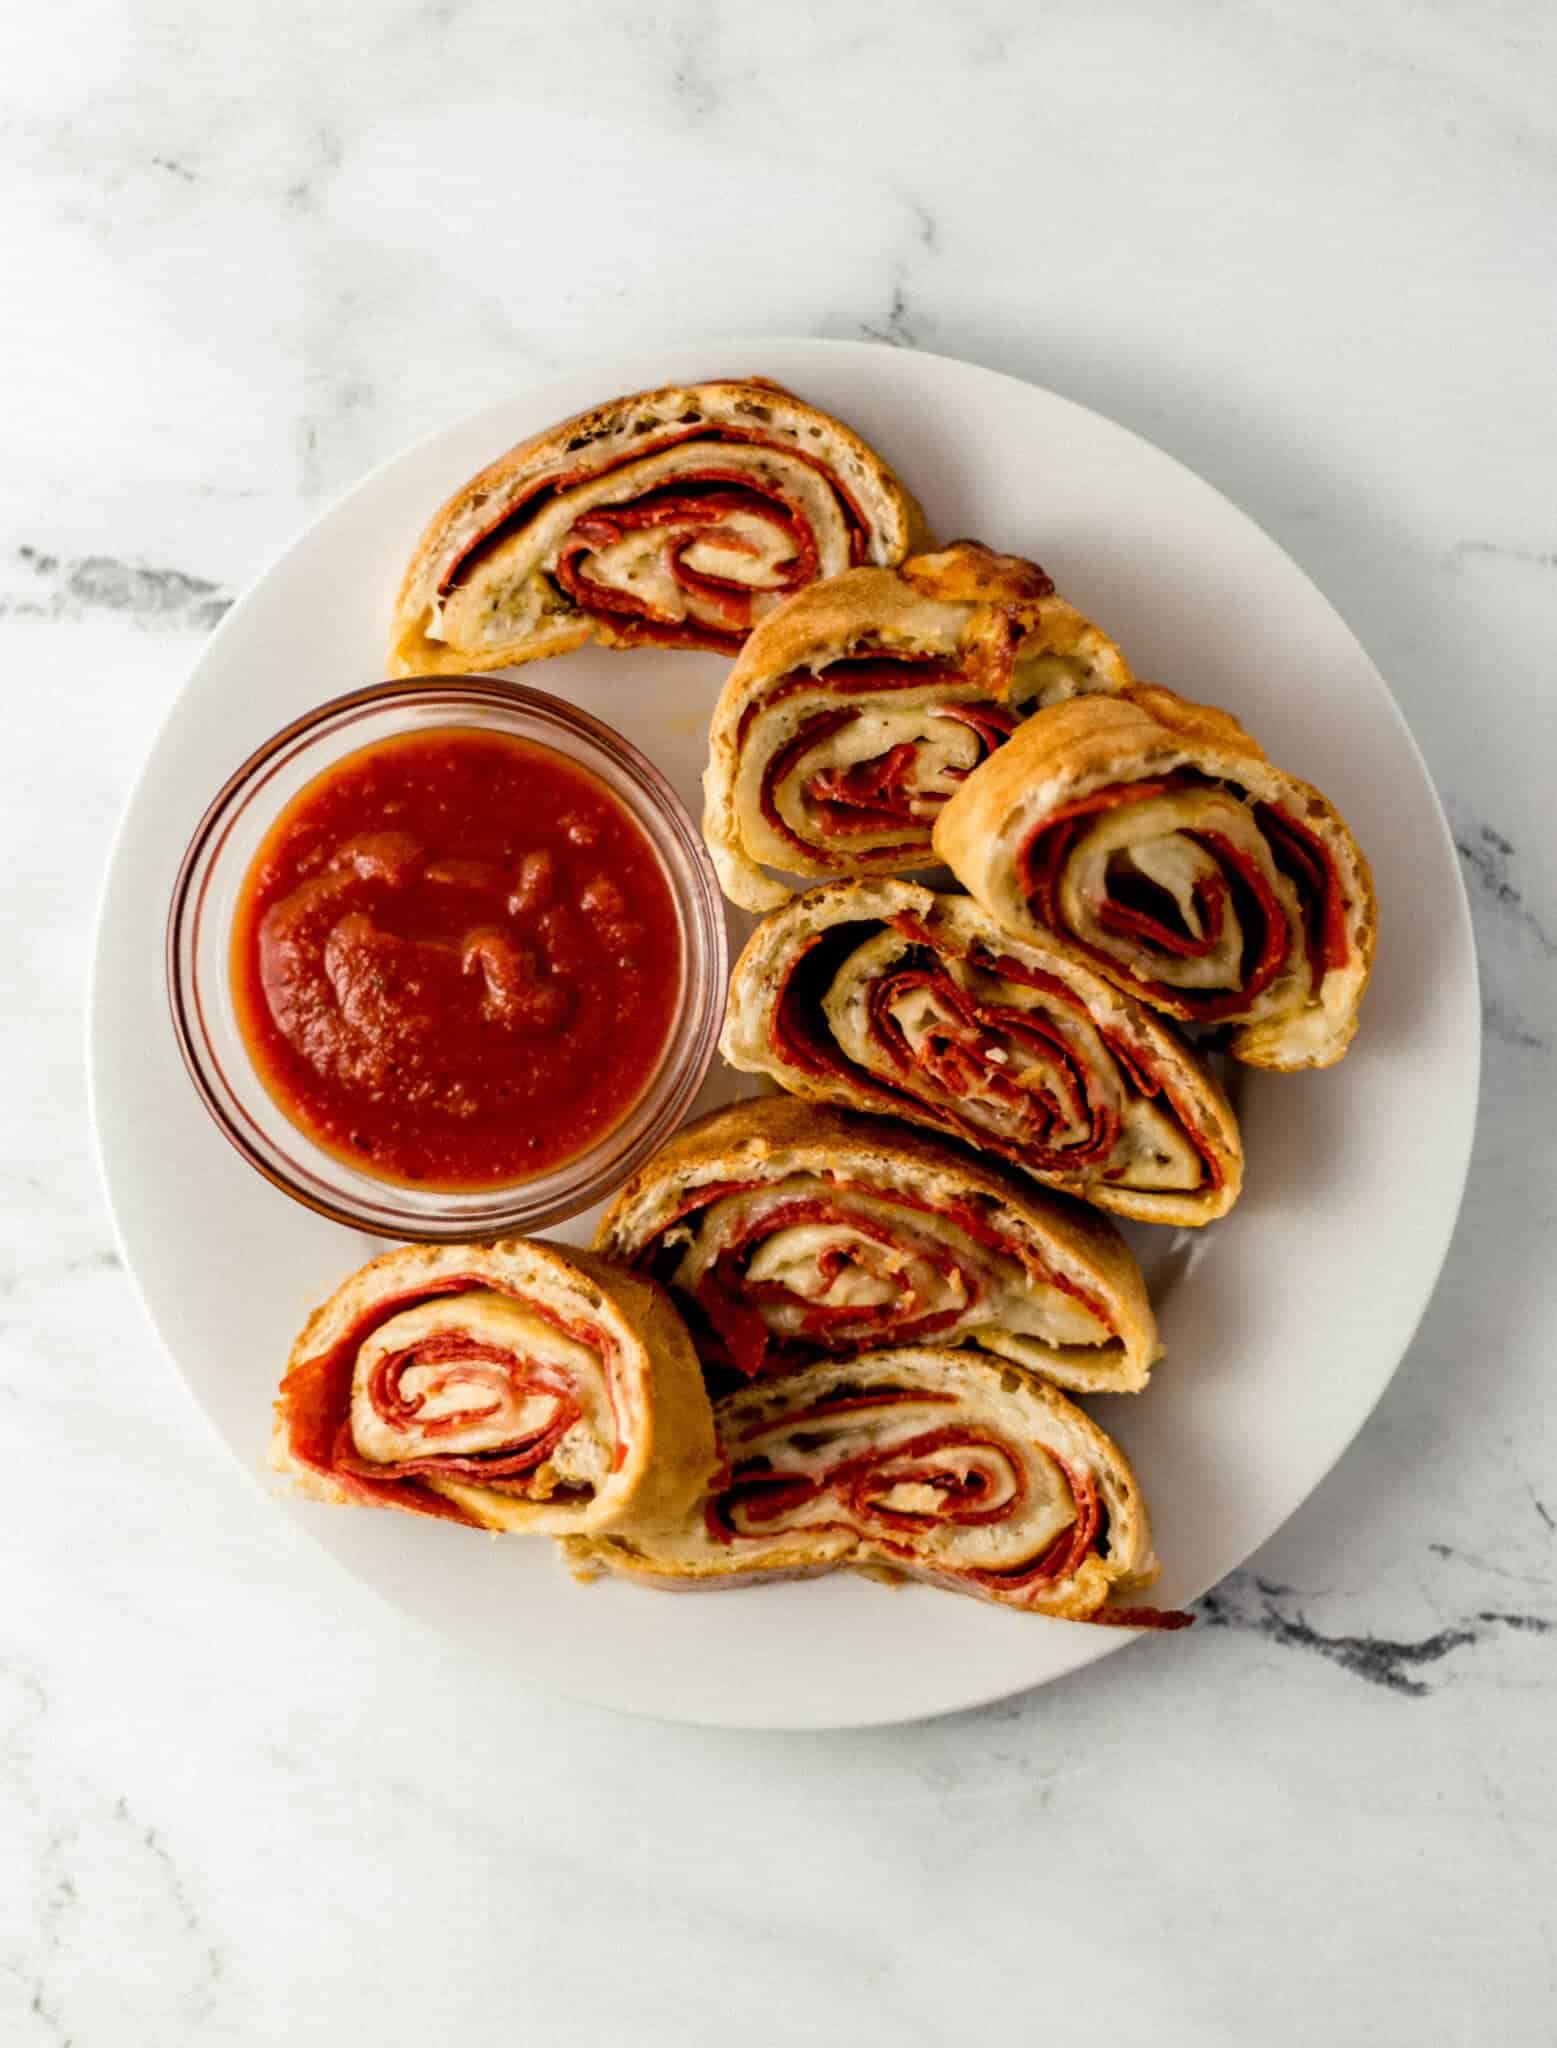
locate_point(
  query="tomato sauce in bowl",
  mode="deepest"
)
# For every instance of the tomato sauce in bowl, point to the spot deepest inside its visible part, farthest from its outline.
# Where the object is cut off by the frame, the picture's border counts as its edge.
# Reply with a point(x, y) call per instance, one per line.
point(446, 959)
point(456, 959)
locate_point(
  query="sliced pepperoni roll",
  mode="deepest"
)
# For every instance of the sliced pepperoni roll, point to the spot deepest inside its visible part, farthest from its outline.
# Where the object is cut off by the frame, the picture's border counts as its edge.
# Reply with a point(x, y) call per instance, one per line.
point(511, 1386)
point(784, 1230)
point(885, 996)
point(670, 518)
point(860, 707)
point(962, 1470)
point(1155, 839)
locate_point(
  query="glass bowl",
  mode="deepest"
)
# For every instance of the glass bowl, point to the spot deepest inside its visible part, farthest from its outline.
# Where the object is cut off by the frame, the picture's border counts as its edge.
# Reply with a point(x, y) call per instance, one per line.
point(205, 899)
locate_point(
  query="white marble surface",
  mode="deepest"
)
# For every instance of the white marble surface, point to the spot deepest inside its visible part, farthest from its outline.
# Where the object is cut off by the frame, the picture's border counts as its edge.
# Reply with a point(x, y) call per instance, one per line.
point(252, 251)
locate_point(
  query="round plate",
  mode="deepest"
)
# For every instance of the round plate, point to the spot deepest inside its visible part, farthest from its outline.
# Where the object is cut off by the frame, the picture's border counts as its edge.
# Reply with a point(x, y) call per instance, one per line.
point(1282, 1324)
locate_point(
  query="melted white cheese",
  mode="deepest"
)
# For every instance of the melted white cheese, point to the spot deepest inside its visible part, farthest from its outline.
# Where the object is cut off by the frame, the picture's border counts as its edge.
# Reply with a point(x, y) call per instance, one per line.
point(945, 751)
point(1008, 1295)
point(509, 591)
point(814, 1447)
point(1153, 1150)
point(445, 1389)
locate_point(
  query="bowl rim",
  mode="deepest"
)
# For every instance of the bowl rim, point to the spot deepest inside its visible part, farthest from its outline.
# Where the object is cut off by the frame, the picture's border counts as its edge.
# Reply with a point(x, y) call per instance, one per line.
point(700, 913)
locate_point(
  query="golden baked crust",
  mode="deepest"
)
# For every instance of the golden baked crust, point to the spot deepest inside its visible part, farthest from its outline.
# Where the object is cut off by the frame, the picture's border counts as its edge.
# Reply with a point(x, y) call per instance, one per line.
point(1004, 1401)
point(776, 1136)
point(957, 926)
point(1065, 753)
point(591, 444)
point(996, 619)
point(661, 1408)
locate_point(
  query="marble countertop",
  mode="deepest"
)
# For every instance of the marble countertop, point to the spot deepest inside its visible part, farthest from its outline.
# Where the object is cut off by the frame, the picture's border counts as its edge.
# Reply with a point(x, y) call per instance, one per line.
point(254, 251)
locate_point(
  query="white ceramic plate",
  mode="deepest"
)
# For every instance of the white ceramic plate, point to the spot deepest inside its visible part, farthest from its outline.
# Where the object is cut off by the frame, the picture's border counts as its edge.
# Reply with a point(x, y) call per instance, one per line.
point(1283, 1323)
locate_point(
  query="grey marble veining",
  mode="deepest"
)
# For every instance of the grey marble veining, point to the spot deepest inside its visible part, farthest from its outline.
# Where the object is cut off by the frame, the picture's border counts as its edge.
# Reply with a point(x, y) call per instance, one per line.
point(254, 252)
point(1244, 1600)
point(48, 588)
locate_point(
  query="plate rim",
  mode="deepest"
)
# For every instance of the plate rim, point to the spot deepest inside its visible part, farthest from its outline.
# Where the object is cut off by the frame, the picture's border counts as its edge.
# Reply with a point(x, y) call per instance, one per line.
point(1099, 1642)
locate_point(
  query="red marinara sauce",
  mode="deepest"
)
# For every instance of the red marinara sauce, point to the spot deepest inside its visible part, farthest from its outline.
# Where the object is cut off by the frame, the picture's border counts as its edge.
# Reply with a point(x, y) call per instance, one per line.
point(456, 959)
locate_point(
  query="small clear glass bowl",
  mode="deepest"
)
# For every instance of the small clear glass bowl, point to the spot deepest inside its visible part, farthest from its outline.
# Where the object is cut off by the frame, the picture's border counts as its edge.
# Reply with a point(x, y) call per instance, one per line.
point(199, 938)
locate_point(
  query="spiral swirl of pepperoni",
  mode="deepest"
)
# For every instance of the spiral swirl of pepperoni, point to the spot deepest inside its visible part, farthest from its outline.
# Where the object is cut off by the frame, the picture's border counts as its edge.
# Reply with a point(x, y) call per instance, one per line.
point(459, 1380)
point(1203, 902)
point(806, 1264)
